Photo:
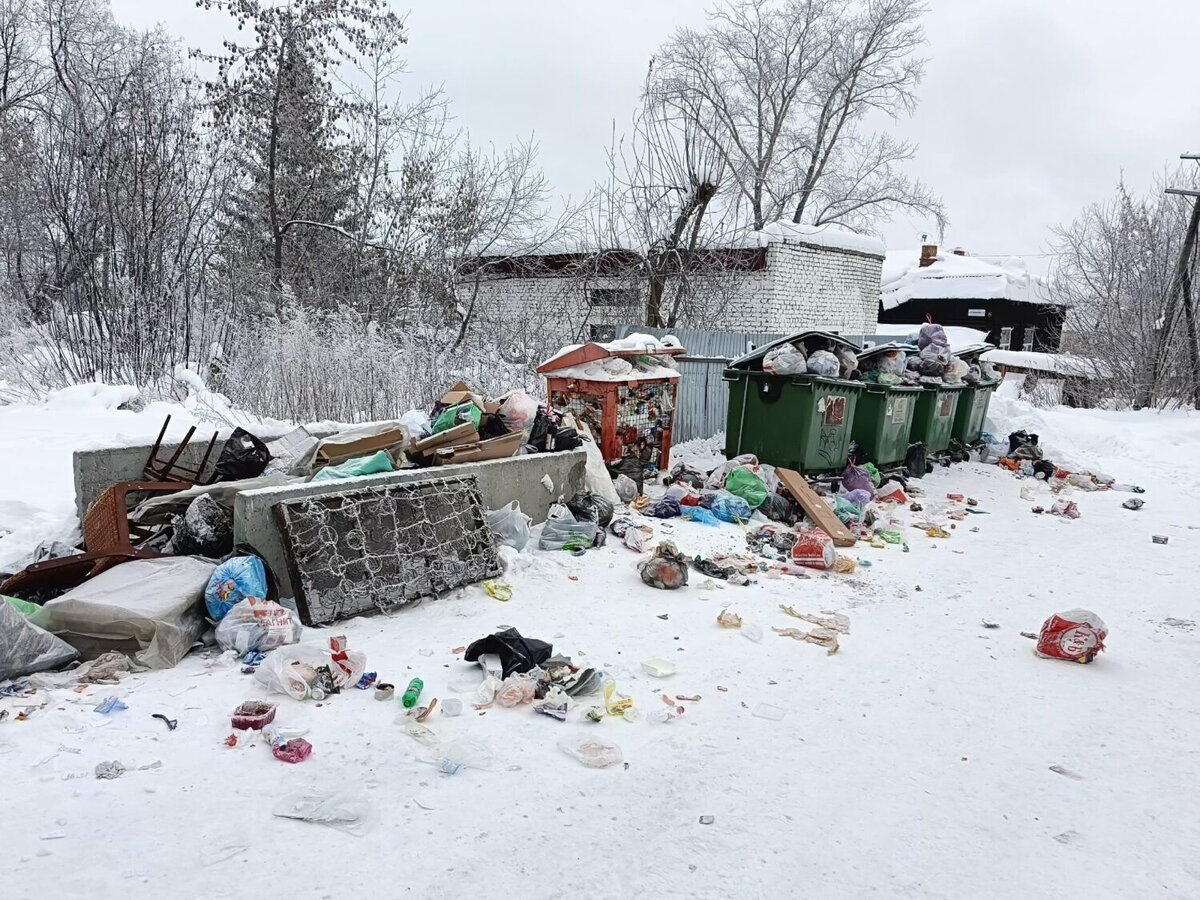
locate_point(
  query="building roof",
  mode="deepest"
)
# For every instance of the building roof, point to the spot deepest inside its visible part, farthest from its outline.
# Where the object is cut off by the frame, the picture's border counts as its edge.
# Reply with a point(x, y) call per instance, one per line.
point(589, 361)
point(829, 236)
point(952, 277)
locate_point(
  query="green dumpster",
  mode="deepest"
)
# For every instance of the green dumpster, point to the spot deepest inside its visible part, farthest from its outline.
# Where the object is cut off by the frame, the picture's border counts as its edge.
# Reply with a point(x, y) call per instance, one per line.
point(801, 422)
point(933, 420)
point(884, 416)
point(974, 401)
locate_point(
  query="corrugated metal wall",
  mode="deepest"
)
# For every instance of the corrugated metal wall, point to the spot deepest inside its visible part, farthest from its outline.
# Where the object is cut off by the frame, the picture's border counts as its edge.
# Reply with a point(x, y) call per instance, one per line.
point(703, 396)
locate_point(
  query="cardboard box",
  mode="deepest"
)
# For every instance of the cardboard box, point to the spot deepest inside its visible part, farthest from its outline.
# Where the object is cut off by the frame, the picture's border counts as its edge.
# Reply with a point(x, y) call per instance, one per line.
point(461, 393)
point(493, 448)
point(332, 452)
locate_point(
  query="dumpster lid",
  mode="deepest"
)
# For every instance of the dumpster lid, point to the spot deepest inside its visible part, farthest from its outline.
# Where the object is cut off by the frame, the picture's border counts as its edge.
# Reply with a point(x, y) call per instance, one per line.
point(973, 350)
point(756, 356)
point(872, 352)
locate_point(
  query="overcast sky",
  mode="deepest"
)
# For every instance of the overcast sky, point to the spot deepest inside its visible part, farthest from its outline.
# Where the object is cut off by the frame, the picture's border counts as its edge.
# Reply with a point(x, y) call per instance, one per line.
point(1029, 110)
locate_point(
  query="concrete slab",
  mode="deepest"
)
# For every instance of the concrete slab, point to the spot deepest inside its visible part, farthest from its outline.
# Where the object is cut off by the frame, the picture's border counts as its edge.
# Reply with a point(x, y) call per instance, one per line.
point(501, 481)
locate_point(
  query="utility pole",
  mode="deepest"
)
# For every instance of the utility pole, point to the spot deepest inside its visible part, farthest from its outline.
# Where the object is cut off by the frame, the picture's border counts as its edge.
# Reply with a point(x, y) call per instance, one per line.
point(1180, 289)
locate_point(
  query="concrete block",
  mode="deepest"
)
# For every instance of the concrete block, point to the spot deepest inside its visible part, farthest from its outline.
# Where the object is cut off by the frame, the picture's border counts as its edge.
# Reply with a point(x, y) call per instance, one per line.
point(96, 470)
point(501, 481)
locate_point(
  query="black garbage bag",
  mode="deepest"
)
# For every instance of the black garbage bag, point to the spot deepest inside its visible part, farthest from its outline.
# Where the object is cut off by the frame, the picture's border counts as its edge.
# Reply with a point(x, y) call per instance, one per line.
point(567, 438)
point(667, 569)
point(710, 568)
point(517, 653)
point(243, 456)
point(916, 461)
point(1021, 438)
point(631, 467)
point(685, 474)
point(205, 529)
point(779, 508)
point(541, 432)
point(663, 508)
point(588, 507)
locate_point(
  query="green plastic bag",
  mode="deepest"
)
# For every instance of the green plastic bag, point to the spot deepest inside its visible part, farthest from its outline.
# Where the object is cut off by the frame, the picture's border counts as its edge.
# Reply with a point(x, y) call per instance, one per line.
point(892, 536)
point(24, 607)
point(876, 478)
point(360, 465)
point(451, 415)
point(745, 484)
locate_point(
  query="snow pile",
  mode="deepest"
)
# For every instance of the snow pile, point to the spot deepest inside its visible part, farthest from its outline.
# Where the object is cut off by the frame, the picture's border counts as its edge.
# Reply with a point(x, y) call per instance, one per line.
point(1058, 363)
point(603, 370)
point(93, 396)
point(952, 277)
point(786, 232)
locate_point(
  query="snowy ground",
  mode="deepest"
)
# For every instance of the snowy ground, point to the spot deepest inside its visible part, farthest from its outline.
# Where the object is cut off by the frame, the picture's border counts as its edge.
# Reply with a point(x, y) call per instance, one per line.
point(914, 763)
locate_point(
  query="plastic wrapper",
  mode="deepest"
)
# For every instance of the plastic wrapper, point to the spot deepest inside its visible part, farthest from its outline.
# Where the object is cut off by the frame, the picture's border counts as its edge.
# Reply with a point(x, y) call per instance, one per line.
point(515, 690)
point(701, 515)
point(1076, 635)
point(518, 410)
point(593, 751)
point(257, 624)
point(814, 549)
point(667, 569)
point(149, 608)
point(510, 526)
point(822, 362)
point(891, 363)
point(891, 491)
point(417, 424)
point(232, 582)
point(785, 359)
point(26, 648)
point(291, 669)
point(346, 811)
point(955, 372)
point(562, 531)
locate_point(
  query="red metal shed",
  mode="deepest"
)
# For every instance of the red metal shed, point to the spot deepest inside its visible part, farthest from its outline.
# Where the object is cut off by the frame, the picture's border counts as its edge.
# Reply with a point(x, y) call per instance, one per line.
point(625, 391)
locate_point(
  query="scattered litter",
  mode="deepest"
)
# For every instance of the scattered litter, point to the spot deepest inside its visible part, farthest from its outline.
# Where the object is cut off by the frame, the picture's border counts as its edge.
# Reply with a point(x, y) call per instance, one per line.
point(822, 637)
point(1134, 503)
point(386, 691)
point(667, 569)
point(253, 715)
point(452, 707)
point(752, 632)
point(1066, 837)
point(769, 711)
point(727, 619)
point(987, 624)
point(1062, 770)
point(659, 668)
point(1077, 635)
point(695, 698)
point(1030, 635)
point(53, 835)
point(706, 820)
point(936, 531)
point(555, 710)
point(497, 591)
point(343, 811)
point(110, 705)
point(110, 770)
point(593, 752)
point(548, 484)
point(171, 724)
point(834, 621)
point(1068, 509)
point(1159, 538)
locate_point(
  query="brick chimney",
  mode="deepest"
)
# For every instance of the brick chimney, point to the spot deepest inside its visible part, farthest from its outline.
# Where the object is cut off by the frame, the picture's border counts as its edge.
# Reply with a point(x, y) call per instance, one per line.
point(928, 255)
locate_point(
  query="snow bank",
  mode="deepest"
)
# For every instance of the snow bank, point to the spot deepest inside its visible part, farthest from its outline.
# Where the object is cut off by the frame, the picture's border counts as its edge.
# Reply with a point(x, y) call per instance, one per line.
point(953, 277)
point(93, 396)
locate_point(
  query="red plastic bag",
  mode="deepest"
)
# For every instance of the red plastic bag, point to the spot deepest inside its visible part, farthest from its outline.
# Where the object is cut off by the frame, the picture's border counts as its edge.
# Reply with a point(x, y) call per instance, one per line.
point(1077, 635)
point(891, 492)
point(814, 548)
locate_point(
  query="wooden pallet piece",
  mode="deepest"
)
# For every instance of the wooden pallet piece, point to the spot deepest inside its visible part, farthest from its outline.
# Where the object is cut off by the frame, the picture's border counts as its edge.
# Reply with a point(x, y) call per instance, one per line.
point(815, 508)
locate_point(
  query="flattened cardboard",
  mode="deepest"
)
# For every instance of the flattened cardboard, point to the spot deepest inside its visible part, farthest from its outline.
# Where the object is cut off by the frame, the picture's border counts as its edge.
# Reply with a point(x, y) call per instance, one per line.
point(815, 508)
point(332, 452)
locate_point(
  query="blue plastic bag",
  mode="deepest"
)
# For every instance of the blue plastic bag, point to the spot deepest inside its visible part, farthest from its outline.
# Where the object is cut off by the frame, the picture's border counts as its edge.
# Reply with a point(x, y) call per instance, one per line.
point(701, 515)
point(232, 582)
point(730, 508)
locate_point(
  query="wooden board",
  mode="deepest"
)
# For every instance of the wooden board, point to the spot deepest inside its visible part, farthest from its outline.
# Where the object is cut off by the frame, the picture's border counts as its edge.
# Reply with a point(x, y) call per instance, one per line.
point(815, 508)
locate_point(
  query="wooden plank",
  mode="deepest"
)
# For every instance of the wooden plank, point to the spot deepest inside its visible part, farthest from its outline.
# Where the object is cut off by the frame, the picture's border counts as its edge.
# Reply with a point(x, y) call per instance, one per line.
point(816, 508)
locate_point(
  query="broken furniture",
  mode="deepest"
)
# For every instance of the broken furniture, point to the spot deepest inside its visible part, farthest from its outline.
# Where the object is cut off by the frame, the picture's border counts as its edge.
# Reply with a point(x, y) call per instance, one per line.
point(380, 546)
point(108, 539)
point(171, 469)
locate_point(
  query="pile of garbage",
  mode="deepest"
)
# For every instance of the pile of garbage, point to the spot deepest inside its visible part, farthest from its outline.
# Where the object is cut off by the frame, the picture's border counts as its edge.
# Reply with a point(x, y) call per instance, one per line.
point(931, 364)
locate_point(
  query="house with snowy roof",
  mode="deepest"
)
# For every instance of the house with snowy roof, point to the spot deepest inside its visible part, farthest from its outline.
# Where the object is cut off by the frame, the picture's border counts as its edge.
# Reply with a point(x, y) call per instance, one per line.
point(784, 278)
point(996, 295)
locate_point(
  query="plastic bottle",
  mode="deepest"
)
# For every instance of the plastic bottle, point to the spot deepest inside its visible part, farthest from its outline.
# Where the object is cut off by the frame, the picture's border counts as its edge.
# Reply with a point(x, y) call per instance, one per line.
point(412, 692)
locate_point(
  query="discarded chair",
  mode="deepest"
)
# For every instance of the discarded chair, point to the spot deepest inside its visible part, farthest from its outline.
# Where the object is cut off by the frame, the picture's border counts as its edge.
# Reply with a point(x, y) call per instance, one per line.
point(164, 470)
point(108, 539)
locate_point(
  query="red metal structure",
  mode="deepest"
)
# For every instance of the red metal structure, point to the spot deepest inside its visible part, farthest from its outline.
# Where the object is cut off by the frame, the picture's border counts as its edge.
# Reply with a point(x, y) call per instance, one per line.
point(626, 394)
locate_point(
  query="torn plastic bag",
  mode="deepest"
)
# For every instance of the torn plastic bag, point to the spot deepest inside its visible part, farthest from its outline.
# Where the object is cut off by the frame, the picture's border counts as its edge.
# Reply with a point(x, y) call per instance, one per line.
point(204, 529)
point(561, 531)
point(243, 456)
point(517, 653)
point(625, 487)
point(730, 508)
point(779, 508)
point(814, 548)
point(343, 810)
point(257, 624)
point(685, 474)
point(291, 669)
point(25, 648)
point(667, 569)
point(152, 609)
point(510, 525)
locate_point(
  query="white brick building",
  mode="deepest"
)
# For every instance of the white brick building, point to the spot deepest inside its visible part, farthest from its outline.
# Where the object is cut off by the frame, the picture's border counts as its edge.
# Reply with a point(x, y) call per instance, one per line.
point(783, 279)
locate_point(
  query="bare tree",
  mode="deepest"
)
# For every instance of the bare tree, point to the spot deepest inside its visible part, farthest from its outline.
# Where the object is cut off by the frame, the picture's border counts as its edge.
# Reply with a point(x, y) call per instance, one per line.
point(784, 89)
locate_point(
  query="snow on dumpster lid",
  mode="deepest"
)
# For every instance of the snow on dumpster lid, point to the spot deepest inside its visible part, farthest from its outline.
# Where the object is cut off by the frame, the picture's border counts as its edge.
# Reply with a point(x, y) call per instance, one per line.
point(633, 345)
point(890, 346)
point(756, 356)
